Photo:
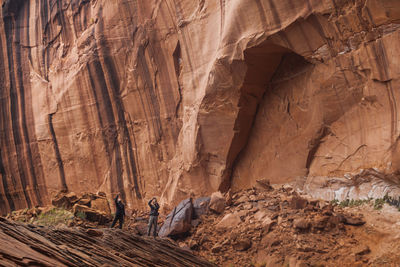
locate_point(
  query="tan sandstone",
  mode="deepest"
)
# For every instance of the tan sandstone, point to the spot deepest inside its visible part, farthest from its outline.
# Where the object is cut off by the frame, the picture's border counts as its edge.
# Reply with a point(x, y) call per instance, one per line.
point(177, 99)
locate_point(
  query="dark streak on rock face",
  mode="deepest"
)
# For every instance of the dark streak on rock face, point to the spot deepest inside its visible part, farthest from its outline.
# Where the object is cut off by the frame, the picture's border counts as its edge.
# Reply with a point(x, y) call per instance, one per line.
point(15, 77)
point(60, 163)
point(6, 204)
point(127, 149)
point(29, 176)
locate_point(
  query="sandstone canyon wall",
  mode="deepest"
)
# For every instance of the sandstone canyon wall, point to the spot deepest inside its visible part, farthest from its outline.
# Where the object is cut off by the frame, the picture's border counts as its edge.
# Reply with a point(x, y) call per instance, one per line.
point(184, 97)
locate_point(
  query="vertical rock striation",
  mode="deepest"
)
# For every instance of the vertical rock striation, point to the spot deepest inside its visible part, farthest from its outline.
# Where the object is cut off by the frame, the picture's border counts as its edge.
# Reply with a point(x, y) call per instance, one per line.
point(174, 98)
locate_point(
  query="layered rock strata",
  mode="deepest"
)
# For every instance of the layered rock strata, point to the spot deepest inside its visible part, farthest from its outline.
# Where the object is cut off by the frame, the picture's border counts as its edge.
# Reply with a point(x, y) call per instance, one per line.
point(29, 245)
point(181, 98)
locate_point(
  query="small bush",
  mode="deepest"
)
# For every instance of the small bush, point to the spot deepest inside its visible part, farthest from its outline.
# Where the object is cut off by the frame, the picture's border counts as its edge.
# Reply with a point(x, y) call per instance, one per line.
point(54, 216)
point(379, 203)
point(334, 202)
point(392, 201)
point(350, 202)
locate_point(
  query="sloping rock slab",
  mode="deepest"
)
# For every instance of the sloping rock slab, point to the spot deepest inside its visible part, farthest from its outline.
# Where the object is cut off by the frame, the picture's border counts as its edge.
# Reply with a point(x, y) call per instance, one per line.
point(179, 220)
point(29, 245)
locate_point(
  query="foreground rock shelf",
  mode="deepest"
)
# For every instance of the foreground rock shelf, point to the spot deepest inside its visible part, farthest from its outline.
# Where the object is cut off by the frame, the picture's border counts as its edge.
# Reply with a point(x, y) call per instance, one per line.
point(29, 245)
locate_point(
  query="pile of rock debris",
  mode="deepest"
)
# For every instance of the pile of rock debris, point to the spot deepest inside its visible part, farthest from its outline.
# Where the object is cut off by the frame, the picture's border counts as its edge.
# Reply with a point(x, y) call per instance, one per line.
point(273, 227)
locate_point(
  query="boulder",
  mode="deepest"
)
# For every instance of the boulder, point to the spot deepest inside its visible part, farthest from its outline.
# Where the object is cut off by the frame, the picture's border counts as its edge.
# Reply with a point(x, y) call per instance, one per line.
point(217, 202)
point(242, 244)
point(63, 200)
point(242, 199)
point(265, 221)
point(260, 215)
point(90, 196)
point(101, 204)
point(248, 206)
point(230, 220)
point(179, 220)
point(200, 206)
point(301, 224)
point(90, 214)
point(356, 221)
point(320, 222)
point(298, 202)
point(84, 201)
point(72, 197)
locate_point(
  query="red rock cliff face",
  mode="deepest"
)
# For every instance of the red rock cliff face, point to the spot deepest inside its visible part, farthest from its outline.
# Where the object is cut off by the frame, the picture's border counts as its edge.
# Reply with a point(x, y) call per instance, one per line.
point(175, 98)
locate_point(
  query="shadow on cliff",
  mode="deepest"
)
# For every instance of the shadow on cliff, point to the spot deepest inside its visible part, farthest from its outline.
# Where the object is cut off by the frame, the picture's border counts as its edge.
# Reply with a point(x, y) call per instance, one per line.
point(265, 63)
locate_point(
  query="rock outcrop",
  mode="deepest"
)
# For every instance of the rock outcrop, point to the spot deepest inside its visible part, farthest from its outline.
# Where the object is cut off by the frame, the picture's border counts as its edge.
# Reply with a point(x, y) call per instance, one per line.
point(185, 98)
point(29, 245)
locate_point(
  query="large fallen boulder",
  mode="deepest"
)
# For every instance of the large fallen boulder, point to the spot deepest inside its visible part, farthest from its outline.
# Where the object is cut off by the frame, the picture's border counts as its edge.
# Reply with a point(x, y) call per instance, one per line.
point(65, 200)
point(179, 220)
point(242, 244)
point(84, 201)
point(101, 204)
point(229, 221)
point(90, 214)
point(201, 206)
point(297, 202)
point(217, 202)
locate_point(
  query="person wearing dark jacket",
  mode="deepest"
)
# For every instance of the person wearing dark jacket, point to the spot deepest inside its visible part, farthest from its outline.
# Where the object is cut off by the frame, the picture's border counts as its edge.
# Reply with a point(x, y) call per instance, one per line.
point(153, 216)
point(120, 212)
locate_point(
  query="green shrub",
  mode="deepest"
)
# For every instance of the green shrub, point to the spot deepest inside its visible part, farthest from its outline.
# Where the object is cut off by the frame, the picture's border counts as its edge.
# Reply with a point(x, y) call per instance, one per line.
point(379, 203)
point(54, 216)
point(334, 202)
point(350, 202)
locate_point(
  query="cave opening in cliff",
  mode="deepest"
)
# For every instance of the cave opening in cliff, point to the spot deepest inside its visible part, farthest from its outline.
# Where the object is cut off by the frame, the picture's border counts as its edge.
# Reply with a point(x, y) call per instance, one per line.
point(265, 63)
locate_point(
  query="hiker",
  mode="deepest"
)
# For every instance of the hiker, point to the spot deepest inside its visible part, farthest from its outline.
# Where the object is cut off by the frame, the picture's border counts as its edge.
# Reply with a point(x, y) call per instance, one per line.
point(120, 213)
point(153, 216)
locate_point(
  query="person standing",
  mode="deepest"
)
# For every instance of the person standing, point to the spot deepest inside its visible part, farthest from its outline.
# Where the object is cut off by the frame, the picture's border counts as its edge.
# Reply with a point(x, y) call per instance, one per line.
point(120, 212)
point(153, 216)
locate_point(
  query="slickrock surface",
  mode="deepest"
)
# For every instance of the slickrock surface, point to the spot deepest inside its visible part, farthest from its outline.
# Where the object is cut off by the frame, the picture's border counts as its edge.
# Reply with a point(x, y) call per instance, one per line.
point(181, 98)
point(29, 245)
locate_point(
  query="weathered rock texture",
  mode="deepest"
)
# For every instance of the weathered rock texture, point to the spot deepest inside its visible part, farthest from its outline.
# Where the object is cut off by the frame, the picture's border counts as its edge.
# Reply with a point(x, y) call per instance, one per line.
point(29, 245)
point(175, 98)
